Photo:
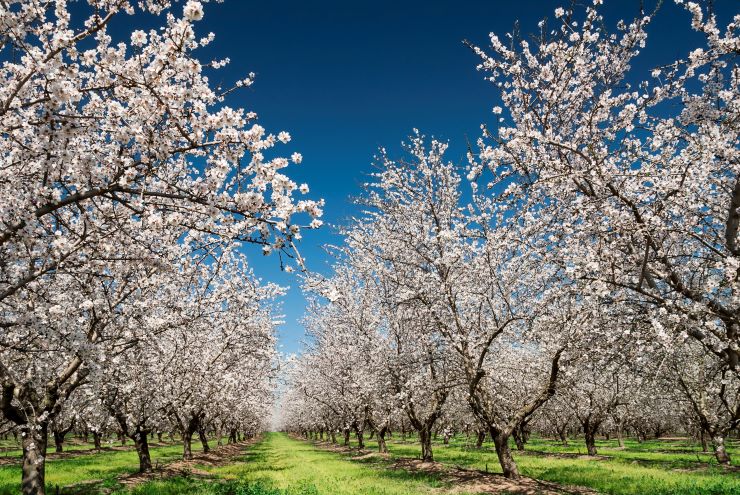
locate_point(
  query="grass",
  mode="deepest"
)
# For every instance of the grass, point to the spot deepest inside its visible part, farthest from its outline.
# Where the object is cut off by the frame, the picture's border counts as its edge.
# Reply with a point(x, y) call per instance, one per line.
point(657, 467)
point(279, 465)
point(105, 467)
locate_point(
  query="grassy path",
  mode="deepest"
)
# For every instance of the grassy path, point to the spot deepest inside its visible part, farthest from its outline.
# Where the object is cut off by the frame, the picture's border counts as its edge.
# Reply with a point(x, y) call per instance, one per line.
point(296, 467)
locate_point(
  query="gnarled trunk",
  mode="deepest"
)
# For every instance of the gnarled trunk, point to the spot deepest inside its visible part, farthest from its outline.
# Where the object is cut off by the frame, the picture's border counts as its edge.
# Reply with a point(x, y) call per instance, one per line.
point(58, 441)
point(203, 439)
point(425, 438)
point(563, 434)
point(360, 434)
point(720, 452)
point(518, 435)
point(382, 447)
point(34, 441)
point(508, 466)
point(142, 449)
point(187, 444)
point(96, 440)
point(590, 434)
point(481, 437)
point(346, 437)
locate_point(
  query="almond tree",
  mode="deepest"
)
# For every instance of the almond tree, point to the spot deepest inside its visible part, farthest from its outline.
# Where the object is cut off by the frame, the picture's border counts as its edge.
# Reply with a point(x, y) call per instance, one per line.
point(116, 153)
point(630, 180)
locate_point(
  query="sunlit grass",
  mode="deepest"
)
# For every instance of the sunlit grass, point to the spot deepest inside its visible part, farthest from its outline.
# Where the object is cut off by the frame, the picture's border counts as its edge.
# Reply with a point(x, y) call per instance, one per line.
point(279, 465)
point(104, 466)
point(654, 467)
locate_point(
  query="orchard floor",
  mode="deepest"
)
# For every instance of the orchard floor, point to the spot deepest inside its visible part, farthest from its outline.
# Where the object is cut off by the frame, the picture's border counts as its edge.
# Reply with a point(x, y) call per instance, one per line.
point(280, 465)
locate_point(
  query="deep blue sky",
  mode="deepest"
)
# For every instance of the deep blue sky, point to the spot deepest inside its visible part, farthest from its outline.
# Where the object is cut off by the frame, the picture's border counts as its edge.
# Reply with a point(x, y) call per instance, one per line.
point(345, 77)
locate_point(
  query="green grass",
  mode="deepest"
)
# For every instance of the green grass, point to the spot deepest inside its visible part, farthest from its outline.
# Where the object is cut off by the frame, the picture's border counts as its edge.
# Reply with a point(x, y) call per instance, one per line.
point(656, 467)
point(279, 465)
point(104, 466)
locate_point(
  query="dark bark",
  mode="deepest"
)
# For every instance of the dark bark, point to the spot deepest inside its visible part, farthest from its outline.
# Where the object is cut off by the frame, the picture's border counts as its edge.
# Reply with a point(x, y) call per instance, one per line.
point(425, 438)
point(520, 437)
point(187, 444)
point(346, 437)
point(382, 447)
point(203, 439)
point(590, 434)
point(96, 440)
point(360, 434)
point(142, 449)
point(508, 466)
point(481, 437)
point(58, 441)
point(563, 434)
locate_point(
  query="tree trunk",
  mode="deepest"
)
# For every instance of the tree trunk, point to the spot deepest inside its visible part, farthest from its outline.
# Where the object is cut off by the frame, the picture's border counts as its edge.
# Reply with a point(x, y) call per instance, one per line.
point(58, 441)
point(425, 438)
point(187, 445)
point(346, 437)
point(142, 449)
point(159, 437)
point(508, 466)
point(518, 439)
point(360, 434)
point(590, 441)
point(382, 447)
point(333, 435)
point(203, 440)
point(480, 439)
point(96, 440)
point(563, 434)
point(720, 452)
point(703, 439)
point(620, 436)
point(34, 440)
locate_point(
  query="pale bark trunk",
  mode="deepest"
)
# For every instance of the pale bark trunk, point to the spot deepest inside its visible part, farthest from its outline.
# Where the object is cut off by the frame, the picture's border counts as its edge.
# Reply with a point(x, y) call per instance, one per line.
point(720, 452)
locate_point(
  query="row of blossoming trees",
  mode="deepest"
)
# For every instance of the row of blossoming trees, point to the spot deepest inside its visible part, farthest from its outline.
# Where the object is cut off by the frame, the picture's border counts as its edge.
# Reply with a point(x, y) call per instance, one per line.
point(582, 271)
point(127, 190)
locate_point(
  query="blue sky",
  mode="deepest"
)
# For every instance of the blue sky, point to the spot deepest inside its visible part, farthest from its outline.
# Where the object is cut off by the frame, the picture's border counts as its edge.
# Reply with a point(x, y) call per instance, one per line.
point(345, 77)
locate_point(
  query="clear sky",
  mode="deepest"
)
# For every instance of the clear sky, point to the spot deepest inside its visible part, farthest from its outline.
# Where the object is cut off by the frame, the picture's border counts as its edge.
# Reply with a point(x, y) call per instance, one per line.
point(345, 77)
